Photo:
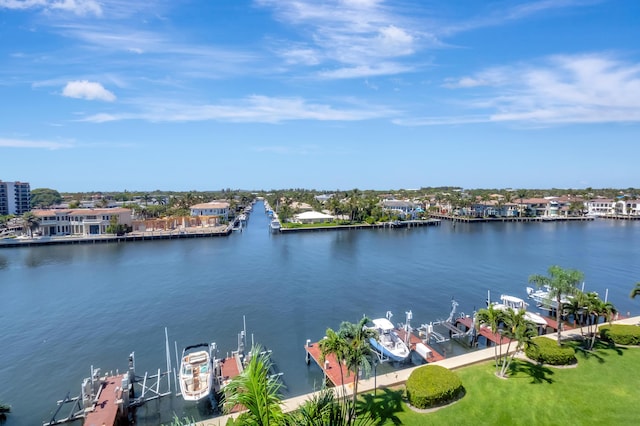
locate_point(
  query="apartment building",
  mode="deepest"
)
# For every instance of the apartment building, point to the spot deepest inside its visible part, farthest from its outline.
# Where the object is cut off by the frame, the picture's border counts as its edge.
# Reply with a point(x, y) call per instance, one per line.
point(15, 198)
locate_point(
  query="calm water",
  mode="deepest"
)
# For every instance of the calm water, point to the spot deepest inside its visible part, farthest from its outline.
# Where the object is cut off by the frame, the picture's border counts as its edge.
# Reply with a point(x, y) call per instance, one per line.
point(65, 308)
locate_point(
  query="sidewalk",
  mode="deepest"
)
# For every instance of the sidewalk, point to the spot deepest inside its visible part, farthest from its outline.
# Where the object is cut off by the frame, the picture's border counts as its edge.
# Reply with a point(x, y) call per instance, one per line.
point(400, 377)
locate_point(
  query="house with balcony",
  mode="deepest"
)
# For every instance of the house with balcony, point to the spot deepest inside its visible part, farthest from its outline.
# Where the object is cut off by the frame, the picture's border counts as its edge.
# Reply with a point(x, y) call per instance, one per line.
point(601, 207)
point(217, 209)
point(82, 222)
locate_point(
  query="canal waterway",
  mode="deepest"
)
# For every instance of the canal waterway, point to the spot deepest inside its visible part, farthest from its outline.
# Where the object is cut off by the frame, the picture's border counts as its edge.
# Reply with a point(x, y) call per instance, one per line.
point(67, 308)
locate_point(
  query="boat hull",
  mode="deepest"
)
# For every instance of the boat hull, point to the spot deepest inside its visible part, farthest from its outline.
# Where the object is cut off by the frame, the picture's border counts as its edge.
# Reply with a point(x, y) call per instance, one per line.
point(196, 376)
point(400, 355)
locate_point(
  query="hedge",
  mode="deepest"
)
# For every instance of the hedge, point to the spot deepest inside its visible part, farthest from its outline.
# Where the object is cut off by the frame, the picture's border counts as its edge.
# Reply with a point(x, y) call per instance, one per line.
point(433, 385)
point(547, 351)
point(621, 334)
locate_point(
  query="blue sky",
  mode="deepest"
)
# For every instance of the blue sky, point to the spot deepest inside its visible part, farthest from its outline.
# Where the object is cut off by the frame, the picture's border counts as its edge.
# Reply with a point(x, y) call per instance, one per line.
point(108, 95)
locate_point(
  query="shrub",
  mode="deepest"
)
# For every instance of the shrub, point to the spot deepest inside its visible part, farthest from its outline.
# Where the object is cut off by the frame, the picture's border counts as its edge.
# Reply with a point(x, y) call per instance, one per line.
point(621, 334)
point(547, 351)
point(432, 386)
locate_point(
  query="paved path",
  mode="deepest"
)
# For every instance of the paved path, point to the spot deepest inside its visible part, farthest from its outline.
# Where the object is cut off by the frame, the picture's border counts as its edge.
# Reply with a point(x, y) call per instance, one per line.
point(400, 377)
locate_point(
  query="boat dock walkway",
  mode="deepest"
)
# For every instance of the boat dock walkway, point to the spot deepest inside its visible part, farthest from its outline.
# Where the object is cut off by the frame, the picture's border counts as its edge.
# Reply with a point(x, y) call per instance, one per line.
point(431, 355)
point(334, 371)
point(495, 338)
point(108, 403)
point(399, 377)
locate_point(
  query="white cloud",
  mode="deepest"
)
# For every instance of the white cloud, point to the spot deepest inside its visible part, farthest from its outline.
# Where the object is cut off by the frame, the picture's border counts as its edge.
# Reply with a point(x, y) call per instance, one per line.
point(77, 7)
point(562, 89)
point(22, 143)
point(364, 71)
point(87, 90)
point(352, 35)
point(253, 109)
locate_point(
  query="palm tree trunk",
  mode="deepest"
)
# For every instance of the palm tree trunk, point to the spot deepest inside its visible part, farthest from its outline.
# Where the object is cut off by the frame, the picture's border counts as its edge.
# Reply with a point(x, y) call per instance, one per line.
point(559, 300)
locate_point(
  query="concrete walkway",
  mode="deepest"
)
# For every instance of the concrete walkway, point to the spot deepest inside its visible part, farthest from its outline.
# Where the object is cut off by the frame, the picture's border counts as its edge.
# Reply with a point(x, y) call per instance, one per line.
point(400, 377)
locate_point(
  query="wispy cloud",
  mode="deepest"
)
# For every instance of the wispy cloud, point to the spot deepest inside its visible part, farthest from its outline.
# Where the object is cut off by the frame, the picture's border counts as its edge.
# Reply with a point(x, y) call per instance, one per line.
point(25, 143)
point(350, 36)
point(564, 89)
point(76, 7)
point(253, 109)
point(87, 90)
point(512, 12)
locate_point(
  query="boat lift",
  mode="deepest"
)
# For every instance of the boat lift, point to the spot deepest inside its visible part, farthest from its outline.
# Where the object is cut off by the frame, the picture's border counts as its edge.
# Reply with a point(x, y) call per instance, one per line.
point(430, 334)
point(147, 387)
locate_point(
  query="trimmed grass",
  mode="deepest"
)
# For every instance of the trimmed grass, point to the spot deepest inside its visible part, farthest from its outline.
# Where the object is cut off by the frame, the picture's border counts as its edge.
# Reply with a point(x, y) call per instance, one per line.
point(603, 389)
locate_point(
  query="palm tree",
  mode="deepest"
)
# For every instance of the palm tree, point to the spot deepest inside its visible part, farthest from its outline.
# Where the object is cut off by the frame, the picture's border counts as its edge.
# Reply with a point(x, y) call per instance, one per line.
point(521, 194)
point(334, 344)
point(492, 318)
point(324, 409)
point(30, 222)
point(560, 282)
point(256, 390)
point(576, 307)
point(597, 308)
point(635, 291)
point(518, 329)
point(351, 346)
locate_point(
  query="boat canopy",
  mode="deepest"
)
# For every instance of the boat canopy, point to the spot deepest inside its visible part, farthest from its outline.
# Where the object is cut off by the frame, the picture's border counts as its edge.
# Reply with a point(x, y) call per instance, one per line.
point(383, 324)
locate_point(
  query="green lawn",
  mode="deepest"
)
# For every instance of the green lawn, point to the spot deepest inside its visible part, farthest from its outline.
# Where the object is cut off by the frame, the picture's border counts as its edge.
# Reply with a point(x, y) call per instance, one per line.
point(604, 389)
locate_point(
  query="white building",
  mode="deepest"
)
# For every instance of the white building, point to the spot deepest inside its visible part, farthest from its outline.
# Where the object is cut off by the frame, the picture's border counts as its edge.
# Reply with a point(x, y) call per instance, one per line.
point(312, 217)
point(80, 221)
point(212, 208)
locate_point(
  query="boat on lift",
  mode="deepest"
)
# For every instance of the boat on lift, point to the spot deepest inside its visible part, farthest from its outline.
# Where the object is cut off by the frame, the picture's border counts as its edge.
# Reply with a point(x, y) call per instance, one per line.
point(196, 371)
point(388, 344)
point(516, 303)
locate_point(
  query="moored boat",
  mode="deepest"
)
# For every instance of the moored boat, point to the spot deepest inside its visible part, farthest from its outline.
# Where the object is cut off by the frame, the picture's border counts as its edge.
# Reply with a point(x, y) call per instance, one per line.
point(275, 226)
point(388, 344)
point(196, 372)
point(517, 304)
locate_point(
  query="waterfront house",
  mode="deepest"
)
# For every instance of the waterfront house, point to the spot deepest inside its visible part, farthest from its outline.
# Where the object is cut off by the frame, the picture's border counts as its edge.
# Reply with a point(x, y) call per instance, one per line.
point(627, 207)
point(80, 221)
point(312, 217)
point(403, 208)
point(601, 207)
point(220, 209)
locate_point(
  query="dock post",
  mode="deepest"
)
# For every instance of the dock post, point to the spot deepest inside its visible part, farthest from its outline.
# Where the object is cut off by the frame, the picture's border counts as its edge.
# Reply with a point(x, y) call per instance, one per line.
point(307, 356)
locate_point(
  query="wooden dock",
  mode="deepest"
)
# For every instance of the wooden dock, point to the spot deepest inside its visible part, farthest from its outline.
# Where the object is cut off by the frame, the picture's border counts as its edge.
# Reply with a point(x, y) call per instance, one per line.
point(414, 340)
point(484, 331)
point(336, 373)
point(108, 403)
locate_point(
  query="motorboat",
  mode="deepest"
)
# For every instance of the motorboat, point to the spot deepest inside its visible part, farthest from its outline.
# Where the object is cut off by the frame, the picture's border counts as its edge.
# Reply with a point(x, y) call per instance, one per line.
point(196, 371)
point(543, 299)
point(516, 303)
point(388, 344)
point(275, 226)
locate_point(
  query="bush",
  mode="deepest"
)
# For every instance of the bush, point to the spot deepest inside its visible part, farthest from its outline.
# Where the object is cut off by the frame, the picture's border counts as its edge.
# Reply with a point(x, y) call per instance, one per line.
point(621, 334)
point(547, 351)
point(432, 385)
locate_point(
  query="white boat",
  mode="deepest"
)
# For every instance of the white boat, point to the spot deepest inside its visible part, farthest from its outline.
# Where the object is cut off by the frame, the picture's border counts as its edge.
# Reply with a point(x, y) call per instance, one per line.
point(517, 304)
point(275, 226)
point(543, 300)
point(388, 344)
point(196, 372)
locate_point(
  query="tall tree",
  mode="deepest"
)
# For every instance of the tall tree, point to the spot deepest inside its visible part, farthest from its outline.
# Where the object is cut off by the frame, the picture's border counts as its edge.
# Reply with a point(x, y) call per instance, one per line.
point(351, 346)
point(517, 329)
point(257, 390)
point(560, 282)
point(492, 318)
point(30, 222)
